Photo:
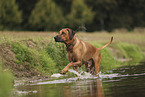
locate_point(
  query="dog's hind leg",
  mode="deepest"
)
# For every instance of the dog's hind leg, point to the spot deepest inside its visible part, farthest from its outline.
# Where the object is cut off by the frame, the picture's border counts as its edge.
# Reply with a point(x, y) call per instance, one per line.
point(89, 65)
point(97, 60)
point(75, 68)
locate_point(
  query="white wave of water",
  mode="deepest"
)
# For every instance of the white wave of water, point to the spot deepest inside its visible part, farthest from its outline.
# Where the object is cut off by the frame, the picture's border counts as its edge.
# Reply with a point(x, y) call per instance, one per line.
point(80, 76)
point(83, 74)
point(57, 75)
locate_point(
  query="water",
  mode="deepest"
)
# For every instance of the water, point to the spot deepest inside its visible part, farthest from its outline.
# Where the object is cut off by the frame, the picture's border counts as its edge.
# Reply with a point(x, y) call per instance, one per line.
point(128, 81)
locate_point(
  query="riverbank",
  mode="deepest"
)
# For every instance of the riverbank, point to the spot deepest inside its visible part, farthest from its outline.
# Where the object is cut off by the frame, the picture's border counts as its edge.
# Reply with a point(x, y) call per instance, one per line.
point(35, 56)
point(29, 54)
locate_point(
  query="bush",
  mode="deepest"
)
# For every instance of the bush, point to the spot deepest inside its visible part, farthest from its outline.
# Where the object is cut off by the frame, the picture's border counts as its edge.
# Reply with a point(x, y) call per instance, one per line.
point(46, 16)
point(10, 16)
point(58, 54)
point(32, 60)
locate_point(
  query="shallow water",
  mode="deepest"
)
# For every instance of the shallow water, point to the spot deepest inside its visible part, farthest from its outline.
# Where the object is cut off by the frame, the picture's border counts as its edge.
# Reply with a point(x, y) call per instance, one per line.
point(128, 81)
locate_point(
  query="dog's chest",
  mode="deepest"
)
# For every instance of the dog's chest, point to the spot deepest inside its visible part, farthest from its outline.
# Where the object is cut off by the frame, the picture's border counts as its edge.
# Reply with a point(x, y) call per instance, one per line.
point(72, 57)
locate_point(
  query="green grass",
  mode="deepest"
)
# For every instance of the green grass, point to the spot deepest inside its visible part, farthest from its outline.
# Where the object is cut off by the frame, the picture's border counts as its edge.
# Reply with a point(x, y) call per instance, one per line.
point(127, 51)
point(57, 51)
point(36, 54)
point(29, 54)
point(121, 50)
point(32, 61)
point(6, 82)
point(108, 61)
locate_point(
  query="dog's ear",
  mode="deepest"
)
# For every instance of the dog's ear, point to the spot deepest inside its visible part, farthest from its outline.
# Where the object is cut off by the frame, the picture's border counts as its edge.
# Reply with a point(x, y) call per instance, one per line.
point(71, 33)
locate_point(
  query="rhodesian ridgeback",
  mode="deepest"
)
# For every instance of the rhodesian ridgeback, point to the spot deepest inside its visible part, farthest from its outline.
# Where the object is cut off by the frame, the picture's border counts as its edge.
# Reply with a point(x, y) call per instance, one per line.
point(80, 52)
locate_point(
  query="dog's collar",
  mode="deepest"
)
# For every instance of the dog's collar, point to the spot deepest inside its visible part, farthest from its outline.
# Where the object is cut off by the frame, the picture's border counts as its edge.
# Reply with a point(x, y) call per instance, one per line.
point(70, 46)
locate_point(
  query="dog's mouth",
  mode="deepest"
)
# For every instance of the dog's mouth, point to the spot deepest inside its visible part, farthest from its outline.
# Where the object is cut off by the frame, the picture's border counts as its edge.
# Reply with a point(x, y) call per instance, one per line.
point(58, 39)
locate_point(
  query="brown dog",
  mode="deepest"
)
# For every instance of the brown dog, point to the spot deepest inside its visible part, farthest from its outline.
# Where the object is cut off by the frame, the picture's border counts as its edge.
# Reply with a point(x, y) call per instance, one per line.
point(79, 52)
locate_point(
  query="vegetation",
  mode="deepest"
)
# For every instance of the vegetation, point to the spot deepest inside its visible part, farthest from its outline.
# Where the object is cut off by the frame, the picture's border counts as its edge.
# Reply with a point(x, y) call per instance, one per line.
point(54, 14)
point(80, 14)
point(129, 51)
point(48, 14)
point(10, 16)
point(28, 56)
point(6, 82)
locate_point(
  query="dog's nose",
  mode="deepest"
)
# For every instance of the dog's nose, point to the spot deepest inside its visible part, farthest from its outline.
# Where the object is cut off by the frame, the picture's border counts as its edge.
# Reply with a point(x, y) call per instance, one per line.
point(55, 37)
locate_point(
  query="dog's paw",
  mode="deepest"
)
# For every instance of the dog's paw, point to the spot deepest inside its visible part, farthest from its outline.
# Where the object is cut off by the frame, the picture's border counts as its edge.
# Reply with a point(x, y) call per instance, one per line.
point(62, 73)
point(64, 70)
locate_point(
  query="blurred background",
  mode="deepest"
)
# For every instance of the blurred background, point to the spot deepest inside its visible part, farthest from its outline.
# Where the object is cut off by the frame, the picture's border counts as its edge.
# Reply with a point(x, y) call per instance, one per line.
point(52, 15)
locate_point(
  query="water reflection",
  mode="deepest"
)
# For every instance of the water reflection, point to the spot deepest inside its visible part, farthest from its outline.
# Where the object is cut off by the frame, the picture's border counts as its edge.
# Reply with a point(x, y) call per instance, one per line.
point(127, 81)
point(87, 88)
point(78, 88)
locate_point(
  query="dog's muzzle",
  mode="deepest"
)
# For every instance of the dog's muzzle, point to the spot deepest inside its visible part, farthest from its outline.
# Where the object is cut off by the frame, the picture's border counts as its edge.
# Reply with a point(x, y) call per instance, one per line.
point(58, 39)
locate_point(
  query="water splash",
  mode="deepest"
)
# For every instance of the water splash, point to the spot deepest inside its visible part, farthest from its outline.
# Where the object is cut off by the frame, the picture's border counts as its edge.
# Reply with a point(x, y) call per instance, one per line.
point(86, 75)
point(83, 74)
point(57, 75)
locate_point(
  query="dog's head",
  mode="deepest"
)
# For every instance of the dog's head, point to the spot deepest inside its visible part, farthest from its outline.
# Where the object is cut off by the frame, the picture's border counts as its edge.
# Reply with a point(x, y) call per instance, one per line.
point(65, 35)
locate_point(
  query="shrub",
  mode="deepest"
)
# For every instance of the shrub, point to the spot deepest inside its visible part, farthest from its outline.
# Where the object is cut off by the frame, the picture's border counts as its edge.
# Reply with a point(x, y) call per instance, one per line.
point(37, 61)
point(58, 53)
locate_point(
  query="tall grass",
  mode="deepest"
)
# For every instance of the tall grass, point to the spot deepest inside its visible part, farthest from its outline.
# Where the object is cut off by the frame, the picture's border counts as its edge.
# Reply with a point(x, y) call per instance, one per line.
point(108, 61)
point(6, 82)
point(57, 51)
point(122, 50)
point(129, 51)
point(32, 60)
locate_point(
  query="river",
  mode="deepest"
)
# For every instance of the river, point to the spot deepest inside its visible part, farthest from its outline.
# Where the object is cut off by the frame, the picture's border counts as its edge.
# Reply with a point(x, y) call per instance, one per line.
point(126, 81)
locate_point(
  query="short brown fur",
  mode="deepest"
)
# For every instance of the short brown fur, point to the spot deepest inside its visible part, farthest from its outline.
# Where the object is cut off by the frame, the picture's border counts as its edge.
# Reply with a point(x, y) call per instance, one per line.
point(80, 52)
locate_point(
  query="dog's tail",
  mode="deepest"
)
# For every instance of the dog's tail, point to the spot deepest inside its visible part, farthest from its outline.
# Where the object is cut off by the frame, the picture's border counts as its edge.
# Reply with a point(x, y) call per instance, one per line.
point(106, 44)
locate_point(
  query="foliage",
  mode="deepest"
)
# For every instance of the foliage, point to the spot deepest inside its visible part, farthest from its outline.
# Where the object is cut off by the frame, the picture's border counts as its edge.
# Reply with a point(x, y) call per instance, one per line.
point(58, 54)
point(113, 14)
point(55, 14)
point(80, 13)
point(26, 8)
point(41, 57)
point(10, 16)
point(38, 61)
point(46, 15)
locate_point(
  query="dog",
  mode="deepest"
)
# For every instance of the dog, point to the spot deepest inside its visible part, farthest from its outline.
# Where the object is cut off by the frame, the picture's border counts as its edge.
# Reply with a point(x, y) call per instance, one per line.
point(80, 52)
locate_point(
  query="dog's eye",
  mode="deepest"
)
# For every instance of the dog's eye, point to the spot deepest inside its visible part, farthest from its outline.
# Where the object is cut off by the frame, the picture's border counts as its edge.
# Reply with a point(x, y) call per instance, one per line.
point(63, 33)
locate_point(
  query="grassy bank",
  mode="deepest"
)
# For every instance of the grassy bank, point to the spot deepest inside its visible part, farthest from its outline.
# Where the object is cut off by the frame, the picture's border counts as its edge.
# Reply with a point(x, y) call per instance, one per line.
point(33, 54)
point(38, 55)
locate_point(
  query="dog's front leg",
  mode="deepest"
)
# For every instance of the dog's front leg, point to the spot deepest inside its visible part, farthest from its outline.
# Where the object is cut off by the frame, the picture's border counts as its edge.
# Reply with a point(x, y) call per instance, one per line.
point(78, 63)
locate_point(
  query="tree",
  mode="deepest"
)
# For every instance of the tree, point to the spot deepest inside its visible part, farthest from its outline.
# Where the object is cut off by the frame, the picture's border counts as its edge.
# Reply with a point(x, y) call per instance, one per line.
point(102, 9)
point(10, 16)
point(26, 6)
point(80, 13)
point(46, 16)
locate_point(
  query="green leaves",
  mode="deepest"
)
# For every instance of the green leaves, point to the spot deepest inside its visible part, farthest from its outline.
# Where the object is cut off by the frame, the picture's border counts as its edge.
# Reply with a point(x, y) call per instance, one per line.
point(46, 15)
point(80, 13)
point(10, 16)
